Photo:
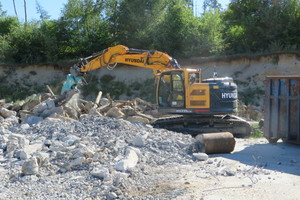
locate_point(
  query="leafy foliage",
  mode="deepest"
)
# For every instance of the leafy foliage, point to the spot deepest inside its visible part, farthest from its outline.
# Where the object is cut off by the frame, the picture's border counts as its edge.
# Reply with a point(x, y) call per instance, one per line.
point(177, 32)
point(17, 93)
point(144, 90)
point(211, 28)
point(255, 25)
point(131, 21)
point(251, 95)
point(256, 132)
point(114, 88)
point(87, 26)
point(2, 13)
point(82, 30)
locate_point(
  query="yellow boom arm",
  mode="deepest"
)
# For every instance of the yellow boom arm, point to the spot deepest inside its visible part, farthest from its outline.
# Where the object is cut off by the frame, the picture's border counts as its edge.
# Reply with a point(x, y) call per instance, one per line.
point(155, 60)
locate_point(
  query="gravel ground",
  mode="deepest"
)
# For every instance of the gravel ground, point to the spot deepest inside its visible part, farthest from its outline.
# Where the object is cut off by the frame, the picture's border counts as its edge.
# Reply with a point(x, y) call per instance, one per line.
point(104, 158)
point(255, 170)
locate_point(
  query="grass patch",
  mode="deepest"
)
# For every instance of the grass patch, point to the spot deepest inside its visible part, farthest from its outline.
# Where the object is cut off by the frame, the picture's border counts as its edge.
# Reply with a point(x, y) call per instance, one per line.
point(256, 132)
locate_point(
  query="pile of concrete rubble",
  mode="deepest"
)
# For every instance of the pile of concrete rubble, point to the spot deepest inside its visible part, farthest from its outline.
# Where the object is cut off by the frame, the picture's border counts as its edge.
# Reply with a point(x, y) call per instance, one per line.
point(39, 107)
point(88, 150)
point(83, 150)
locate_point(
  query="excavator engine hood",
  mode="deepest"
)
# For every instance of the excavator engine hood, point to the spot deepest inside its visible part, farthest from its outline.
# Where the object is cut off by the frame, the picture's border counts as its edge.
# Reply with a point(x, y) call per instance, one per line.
point(223, 95)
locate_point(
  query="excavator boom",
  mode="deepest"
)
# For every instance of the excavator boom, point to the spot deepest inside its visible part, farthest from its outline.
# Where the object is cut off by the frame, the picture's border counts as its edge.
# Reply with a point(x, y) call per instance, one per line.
point(155, 60)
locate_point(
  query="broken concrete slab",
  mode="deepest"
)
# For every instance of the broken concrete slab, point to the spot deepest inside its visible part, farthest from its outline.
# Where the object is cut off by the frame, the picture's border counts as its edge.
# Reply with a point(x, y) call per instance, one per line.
point(102, 173)
point(45, 105)
point(30, 167)
point(33, 148)
point(7, 113)
point(200, 156)
point(115, 112)
point(31, 102)
point(2, 102)
point(128, 111)
point(139, 140)
point(130, 161)
point(21, 154)
point(94, 111)
point(18, 106)
point(104, 102)
point(138, 119)
point(33, 119)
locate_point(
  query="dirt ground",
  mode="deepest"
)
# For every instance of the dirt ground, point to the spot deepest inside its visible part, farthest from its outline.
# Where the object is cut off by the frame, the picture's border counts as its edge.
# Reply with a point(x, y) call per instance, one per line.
point(255, 170)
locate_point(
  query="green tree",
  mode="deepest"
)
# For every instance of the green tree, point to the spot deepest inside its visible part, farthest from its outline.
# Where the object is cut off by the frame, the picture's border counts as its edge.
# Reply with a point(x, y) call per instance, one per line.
point(48, 37)
point(7, 25)
point(211, 4)
point(177, 31)
point(25, 45)
point(43, 13)
point(31, 44)
point(131, 20)
point(211, 27)
point(165, 25)
point(256, 25)
point(2, 13)
point(81, 29)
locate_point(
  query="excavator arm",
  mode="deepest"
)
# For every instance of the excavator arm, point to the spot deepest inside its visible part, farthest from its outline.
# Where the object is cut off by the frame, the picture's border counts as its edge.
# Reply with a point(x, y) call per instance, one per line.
point(110, 57)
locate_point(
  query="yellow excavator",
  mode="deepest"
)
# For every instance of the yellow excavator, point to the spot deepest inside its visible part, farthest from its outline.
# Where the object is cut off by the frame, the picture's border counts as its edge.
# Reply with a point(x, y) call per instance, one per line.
point(201, 106)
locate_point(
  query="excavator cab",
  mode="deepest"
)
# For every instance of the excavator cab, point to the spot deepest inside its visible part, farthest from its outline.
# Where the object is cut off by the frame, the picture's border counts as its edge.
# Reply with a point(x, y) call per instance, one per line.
point(182, 91)
point(178, 91)
point(171, 89)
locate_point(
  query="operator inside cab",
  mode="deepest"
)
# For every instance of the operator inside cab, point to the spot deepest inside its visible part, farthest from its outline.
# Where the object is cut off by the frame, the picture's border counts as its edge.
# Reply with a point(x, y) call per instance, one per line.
point(194, 78)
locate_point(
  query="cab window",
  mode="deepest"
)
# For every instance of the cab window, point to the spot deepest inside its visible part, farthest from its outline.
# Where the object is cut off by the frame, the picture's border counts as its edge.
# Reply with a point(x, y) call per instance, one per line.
point(164, 90)
point(194, 78)
point(171, 89)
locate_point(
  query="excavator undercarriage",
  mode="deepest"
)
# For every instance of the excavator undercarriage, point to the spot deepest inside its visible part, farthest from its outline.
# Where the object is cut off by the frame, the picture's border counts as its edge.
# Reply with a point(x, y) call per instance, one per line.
point(195, 125)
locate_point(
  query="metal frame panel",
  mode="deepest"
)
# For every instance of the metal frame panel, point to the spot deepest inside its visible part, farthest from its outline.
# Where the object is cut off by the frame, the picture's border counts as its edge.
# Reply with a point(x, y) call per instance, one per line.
point(282, 108)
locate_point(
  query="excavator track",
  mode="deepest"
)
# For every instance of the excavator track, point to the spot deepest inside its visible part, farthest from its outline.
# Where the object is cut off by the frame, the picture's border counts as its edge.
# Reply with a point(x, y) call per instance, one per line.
point(195, 125)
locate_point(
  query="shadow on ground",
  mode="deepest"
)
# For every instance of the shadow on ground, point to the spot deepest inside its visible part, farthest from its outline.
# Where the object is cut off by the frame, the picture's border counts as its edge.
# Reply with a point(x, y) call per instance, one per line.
point(282, 157)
